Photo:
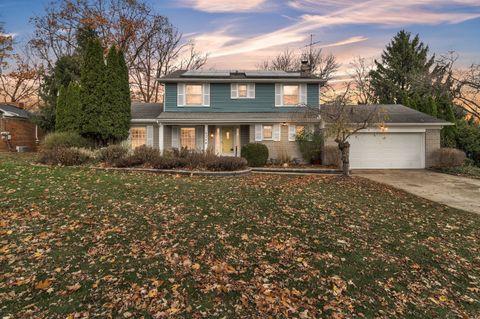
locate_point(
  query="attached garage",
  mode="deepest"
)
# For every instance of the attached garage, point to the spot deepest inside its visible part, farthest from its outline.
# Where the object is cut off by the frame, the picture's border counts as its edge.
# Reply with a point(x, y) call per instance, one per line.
point(392, 150)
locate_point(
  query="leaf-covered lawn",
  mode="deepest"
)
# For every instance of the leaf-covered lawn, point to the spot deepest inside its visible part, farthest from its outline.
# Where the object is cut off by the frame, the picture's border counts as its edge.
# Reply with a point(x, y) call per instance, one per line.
point(82, 243)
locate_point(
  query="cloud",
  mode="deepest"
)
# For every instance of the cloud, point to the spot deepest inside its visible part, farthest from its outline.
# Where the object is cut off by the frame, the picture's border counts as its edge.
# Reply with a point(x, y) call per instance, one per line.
point(345, 42)
point(224, 5)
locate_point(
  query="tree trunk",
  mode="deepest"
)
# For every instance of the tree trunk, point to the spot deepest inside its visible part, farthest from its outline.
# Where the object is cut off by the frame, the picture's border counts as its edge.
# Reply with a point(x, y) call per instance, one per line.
point(345, 150)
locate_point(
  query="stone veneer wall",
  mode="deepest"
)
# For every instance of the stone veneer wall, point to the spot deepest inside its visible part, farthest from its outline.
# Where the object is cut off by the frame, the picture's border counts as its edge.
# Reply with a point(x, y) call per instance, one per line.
point(432, 143)
point(278, 149)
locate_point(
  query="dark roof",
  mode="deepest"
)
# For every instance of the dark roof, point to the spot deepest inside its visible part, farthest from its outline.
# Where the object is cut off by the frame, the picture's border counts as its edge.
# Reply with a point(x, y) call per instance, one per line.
point(9, 110)
point(238, 75)
point(389, 113)
point(145, 110)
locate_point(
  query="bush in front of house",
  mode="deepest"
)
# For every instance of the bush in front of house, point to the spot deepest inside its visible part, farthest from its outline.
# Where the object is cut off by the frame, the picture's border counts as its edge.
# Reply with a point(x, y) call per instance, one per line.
point(64, 140)
point(448, 157)
point(113, 154)
point(310, 146)
point(226, 163)
point(169, 163)
point(256, 154)
point(66, 156)
point(144, 155)
point(332, 156)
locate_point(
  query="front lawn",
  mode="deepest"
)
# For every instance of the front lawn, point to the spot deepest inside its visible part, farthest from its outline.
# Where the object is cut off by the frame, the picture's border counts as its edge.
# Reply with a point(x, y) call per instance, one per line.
point(83, 243)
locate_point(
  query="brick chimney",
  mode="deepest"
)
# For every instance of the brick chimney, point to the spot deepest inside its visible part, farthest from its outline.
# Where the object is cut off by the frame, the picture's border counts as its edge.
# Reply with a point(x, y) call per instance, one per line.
point(305, 69)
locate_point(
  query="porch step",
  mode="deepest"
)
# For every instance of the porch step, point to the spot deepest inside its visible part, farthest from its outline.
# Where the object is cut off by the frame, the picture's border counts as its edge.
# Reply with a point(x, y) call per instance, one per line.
point(281, 170)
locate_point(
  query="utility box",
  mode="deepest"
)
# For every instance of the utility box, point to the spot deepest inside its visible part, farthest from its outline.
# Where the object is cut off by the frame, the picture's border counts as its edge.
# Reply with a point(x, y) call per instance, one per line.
point(22, 149)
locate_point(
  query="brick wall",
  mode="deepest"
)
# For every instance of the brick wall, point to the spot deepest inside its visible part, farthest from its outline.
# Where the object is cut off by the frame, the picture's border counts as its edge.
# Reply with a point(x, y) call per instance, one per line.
point(22, 132)
point(432, 143)
point(278, 149)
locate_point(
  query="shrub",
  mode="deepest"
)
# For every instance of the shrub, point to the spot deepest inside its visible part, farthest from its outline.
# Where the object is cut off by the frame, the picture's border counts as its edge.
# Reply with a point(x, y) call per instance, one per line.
point(256, 154)
point(226, 163)
point(112, 154)
point(62, 156)
point(145, 155)
point(64, 140)
point(332, 156)
point(169, 163)
point(448, 157)
point(310, 146)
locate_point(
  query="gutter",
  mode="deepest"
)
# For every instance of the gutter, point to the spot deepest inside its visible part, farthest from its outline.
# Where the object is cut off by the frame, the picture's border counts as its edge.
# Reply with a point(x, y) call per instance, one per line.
point(249, 80)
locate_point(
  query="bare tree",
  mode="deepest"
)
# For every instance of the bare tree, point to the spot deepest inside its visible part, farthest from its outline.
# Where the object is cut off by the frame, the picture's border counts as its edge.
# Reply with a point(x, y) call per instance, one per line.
point(19, 83)
point(362, 91)
point(152, 46)
point(467, 90)
point(324, 66)
point(6, 47)
point(342, 120)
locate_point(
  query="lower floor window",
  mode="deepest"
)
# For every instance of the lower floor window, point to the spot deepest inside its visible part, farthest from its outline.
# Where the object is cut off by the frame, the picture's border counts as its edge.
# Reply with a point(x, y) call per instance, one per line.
point(138, 136)
point(187, 137)
point(267, 131)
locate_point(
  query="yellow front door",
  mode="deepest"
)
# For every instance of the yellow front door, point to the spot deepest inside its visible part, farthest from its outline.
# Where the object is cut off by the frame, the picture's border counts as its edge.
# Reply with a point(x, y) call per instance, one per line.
point(227, 140)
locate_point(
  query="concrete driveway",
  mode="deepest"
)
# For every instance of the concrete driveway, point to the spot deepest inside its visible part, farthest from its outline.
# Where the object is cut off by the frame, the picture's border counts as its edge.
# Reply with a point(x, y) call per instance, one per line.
point(458, 192)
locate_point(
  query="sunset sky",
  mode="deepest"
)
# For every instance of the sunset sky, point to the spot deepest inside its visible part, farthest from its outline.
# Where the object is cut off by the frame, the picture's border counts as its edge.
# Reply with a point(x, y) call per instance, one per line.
point(242, 33)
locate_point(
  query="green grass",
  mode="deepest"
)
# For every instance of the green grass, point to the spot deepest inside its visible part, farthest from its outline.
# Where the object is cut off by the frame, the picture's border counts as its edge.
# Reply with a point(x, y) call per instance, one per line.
point(466, 171)
point(133, 244)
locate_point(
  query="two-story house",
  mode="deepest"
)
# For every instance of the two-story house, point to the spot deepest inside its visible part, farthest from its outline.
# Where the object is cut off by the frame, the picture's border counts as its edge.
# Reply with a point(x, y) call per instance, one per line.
point(221, 111)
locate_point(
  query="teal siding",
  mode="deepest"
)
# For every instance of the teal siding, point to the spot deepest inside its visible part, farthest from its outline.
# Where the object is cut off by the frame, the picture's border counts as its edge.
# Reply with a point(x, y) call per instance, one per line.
point(220, 100)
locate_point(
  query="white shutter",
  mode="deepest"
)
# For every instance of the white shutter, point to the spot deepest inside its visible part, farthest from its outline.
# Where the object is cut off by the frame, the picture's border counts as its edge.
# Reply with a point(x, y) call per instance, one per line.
point(251, 90)
point(276, 132)
point(180, 94)
point(149, 135)
point(199, 138)
point(292, 133)
point(303, 94)
point(233, 90)
point(258, 132)
point(278, 95)
point(206, 94)
point(175, 137)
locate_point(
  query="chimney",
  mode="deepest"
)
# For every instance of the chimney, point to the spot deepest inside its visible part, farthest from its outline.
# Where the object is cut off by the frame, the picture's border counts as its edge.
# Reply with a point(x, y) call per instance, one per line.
point(305, 70)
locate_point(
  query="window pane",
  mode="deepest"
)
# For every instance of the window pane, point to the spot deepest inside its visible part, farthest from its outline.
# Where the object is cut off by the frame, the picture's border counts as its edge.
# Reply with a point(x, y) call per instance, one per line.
point(187, 137)
point(242, 90)
point(300, 129)
point(290, 95)
point(138, 136)
point(267, 131)
point(194, 94)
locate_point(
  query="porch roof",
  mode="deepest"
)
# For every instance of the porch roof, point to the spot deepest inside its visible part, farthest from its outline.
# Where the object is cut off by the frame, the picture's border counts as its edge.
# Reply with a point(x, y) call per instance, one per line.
point(235, 117)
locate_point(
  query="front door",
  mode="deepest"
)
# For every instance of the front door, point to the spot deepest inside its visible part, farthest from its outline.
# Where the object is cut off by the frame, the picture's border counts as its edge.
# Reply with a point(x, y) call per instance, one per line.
point(227, 140)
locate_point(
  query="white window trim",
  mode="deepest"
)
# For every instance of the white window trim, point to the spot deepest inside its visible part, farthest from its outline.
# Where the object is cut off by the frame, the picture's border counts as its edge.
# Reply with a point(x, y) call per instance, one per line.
point(234, 91)
point(182, 91)
point(263, 131)
point(302, 98)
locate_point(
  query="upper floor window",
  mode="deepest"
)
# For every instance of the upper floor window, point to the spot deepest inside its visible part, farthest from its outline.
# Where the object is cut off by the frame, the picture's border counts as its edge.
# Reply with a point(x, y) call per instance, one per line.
point(193, 94)
point(290, 94)
point(242, 90)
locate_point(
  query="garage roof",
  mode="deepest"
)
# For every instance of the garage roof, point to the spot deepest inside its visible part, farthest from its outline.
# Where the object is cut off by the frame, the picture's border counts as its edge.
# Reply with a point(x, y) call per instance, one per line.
point(391, 113)
point(141, 111)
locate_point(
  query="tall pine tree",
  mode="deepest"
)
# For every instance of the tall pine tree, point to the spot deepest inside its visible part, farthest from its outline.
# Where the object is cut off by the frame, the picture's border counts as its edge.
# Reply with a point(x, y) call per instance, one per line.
point(95, 121)
point(125, 102)
point(60, 110)
point(74, 108)
point(403, 70)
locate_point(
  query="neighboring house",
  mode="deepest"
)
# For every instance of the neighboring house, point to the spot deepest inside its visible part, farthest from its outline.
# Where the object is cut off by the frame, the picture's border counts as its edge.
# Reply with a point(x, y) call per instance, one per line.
point(17, 132)
point(220, 111)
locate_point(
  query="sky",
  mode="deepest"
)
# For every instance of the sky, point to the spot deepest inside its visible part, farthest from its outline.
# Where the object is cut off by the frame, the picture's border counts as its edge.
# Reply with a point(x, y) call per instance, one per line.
point(240, 34)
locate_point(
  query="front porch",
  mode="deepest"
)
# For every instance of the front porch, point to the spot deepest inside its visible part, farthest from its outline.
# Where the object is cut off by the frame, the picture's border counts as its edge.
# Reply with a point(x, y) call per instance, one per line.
point(224, 140)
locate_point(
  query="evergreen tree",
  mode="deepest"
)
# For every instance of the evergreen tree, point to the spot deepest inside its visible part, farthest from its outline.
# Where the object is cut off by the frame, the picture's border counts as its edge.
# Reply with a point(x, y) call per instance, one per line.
point(403, 69)
point(74, 108)
point(113, 95)
point(125, 104)
point(95, 122)
point(61, 106)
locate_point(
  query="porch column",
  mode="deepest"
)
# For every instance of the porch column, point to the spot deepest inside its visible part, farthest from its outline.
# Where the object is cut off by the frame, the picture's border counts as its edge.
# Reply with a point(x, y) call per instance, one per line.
point(217, 141)
point(237, 141)
point(161, 142)
point(205, 136)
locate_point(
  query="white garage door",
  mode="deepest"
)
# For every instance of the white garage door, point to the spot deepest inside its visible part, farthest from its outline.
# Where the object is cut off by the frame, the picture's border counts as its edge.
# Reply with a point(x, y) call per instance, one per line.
point(387, 150)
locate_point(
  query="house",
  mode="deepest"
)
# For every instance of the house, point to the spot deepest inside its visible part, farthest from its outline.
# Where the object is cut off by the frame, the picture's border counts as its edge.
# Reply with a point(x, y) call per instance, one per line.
point(220, 111)
point(17, 132)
